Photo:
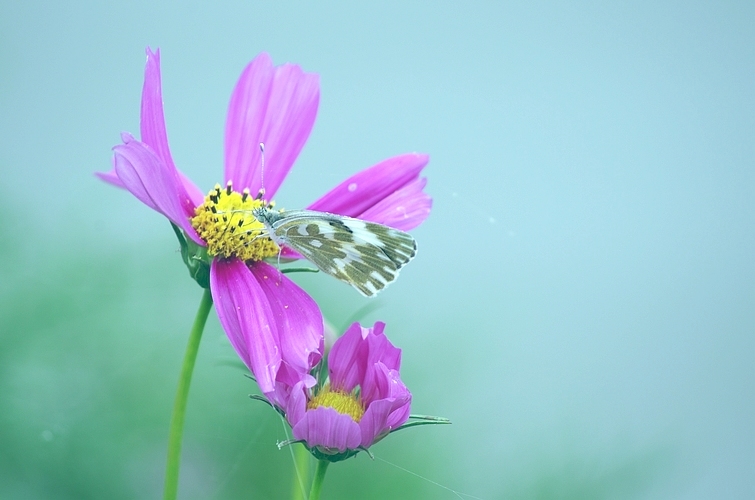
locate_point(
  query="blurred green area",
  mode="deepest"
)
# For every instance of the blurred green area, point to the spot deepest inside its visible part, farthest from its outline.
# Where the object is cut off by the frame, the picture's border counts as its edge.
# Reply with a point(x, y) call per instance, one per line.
point(89, 360)
point(88, 365)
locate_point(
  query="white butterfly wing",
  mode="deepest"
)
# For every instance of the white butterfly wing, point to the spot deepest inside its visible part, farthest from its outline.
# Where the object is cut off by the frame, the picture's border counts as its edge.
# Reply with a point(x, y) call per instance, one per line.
point(366, 255)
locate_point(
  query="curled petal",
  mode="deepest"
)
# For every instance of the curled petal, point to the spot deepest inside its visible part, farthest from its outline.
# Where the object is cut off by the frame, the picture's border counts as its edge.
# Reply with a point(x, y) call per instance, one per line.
point(354, 356)
point(385, 384)
point(380, 348)
point(376, 384)
point(247, 318)
point(154, 183)
point(392, 410)
point(372, 426)
point(405, 209)
point(347, 361)
point(362, 191)
point(273, 105)
point(326, 427)
point(289, 395)
point(295, 403)
point(287, 378)
point(401, 408)
point(112, 178)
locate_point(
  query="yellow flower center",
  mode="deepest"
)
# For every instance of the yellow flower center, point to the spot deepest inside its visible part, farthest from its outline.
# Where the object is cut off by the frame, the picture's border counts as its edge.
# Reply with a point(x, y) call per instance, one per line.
point(225, 222)
point(340, 401)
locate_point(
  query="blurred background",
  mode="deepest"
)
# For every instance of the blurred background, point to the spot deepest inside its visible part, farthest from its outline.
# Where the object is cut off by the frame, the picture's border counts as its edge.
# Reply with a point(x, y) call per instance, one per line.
point(582, 306)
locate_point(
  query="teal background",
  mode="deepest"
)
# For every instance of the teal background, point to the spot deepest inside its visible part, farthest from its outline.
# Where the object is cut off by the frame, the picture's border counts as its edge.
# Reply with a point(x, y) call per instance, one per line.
point(582, 305)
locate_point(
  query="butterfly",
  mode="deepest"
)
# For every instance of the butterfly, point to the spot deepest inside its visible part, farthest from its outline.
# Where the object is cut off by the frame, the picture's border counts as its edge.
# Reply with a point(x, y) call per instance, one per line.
point(366, 255)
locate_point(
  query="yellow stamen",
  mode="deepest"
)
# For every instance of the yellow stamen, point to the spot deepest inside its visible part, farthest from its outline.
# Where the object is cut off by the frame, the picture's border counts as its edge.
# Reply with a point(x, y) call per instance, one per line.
point(342, 402)
point(225, 222)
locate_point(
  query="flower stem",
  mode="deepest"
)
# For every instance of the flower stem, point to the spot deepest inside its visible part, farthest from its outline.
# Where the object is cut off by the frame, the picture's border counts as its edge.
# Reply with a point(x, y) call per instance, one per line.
point(175, 433)
point(322, 467)
point(301, 471)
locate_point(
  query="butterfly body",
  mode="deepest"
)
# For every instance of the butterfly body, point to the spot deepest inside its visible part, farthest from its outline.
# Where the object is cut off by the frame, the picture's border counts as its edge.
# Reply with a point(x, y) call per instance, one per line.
point(366, 255)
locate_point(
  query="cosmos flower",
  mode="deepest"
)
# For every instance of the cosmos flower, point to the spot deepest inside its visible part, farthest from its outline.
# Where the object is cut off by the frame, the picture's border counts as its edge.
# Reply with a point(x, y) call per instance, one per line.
point(362, 401)
point(274, 326)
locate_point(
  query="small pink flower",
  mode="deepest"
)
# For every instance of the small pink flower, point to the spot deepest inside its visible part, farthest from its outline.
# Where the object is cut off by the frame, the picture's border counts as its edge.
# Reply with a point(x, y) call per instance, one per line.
point(362, 402)
point(275, 327)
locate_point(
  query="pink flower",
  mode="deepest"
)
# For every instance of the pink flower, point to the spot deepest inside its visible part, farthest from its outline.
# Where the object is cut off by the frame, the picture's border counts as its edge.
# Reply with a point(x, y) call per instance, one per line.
point(362, 402)
point(275, 327)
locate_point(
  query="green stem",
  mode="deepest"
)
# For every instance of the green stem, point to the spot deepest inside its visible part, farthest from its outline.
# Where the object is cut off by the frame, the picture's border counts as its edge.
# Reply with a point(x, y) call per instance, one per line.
point(175, 433)
point(301, 471)
point(322, 467)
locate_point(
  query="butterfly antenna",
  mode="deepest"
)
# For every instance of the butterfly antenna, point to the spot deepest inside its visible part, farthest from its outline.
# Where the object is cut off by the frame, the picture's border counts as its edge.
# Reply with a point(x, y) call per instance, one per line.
point(262, 172)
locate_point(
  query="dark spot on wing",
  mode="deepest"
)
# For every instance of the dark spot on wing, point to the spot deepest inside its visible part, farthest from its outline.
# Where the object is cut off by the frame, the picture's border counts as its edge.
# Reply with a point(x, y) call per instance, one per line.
point(337, 224)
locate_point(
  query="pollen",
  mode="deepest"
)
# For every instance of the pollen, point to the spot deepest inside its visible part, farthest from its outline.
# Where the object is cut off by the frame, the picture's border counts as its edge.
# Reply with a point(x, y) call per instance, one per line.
point(225, 222)
point(340, 401)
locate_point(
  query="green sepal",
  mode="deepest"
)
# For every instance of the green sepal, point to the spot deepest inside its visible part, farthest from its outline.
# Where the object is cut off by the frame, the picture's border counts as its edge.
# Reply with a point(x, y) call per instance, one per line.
point(332, 457)
point(415, 420)
point(195, 257)
point(321, 453)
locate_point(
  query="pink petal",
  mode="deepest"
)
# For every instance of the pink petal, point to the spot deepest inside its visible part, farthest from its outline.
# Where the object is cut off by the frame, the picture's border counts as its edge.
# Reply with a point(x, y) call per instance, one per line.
point(360, 192)
point(383, 383)
point(291, 398)
point(111, 178)
point(373, 422)
point(154, 183)
point(195, 195)
point(405, 209)
point(346, 363)
point(327, 428)
point(401, 407)
point(273, 105)
point(379, 352)
point(152, 121)
point(247, 318)
point(381, 349)
point(388, 412)
point(295, 404)
point(288, 376)
point(295, 316)
point(287, 253)
point(153, 131)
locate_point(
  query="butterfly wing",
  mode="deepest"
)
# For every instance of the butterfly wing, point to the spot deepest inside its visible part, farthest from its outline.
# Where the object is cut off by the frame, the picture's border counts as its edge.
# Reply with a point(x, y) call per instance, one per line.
point(366, 255)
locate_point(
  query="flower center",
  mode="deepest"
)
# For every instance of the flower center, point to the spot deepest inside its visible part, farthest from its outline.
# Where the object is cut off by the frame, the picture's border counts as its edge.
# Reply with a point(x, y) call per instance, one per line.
point(342, 402)
point(225, 222)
